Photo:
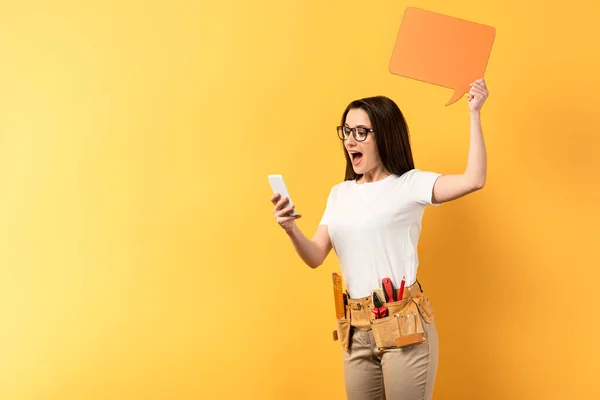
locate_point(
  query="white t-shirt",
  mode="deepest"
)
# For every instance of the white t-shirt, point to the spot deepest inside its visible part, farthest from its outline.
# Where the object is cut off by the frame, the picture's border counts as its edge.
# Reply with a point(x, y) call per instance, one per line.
point(374, 228)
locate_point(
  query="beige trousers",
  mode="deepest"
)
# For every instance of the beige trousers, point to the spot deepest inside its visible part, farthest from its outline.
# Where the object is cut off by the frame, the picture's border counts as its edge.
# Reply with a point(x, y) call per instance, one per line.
point(392, 374)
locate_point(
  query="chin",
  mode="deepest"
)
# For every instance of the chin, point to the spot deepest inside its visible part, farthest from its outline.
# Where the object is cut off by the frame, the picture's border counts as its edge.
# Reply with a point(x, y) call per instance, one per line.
point(358, 171)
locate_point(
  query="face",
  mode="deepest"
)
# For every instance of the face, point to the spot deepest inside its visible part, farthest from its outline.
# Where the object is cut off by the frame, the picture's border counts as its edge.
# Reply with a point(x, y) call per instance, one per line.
point(364, 155)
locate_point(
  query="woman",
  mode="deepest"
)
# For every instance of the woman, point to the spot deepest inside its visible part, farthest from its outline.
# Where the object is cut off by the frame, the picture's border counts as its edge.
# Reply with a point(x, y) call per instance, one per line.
point(373, 221)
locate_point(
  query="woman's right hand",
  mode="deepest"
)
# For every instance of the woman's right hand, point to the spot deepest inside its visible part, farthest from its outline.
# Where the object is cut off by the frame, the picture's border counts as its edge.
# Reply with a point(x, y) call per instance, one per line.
point(286, 221)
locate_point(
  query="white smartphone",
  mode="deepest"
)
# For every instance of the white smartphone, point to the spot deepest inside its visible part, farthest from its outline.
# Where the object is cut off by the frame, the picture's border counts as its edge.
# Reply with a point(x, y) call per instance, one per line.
point(278, 186)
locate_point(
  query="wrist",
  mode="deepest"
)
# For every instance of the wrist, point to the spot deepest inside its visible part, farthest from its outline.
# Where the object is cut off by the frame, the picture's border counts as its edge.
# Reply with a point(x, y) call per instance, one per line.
point(291, 231)
point(475, 113)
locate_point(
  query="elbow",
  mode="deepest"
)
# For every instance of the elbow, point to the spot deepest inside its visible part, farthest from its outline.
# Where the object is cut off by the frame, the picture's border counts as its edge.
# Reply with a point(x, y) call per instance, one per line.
point(316, 262)
point(479, 184)
point(474, 181)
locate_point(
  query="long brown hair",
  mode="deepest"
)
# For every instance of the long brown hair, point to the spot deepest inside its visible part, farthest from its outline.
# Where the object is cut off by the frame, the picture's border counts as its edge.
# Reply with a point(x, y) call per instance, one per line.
point(391, 135)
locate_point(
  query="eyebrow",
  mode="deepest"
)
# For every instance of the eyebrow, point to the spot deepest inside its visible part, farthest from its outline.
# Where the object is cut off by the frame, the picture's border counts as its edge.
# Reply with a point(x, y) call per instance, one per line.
point(358, 126)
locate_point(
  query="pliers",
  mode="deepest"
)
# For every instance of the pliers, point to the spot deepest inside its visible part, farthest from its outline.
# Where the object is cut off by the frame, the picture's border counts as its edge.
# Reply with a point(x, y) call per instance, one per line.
point(379, 310)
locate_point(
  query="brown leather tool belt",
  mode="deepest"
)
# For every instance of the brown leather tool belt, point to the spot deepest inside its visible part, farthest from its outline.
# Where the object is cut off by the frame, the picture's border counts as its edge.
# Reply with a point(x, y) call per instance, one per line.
point(400, 327)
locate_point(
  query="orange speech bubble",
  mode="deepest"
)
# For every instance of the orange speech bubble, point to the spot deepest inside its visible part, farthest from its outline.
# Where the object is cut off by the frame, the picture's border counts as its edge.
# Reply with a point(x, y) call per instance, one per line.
point(441, 50)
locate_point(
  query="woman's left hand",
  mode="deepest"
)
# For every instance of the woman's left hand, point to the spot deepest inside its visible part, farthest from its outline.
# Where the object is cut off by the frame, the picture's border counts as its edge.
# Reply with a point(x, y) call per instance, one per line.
point(477, 95)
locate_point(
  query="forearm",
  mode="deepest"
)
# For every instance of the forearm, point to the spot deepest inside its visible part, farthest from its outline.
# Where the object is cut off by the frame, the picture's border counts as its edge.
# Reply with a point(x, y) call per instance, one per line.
point(477, 162)
point(307, 249)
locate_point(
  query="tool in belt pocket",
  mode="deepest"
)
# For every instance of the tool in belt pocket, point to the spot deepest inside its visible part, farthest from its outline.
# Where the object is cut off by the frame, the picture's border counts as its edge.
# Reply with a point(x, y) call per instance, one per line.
point(379, 309)
point(388, 290)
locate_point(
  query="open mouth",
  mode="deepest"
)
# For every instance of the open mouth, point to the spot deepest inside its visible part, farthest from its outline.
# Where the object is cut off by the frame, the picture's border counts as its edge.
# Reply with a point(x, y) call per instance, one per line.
point(356, 157)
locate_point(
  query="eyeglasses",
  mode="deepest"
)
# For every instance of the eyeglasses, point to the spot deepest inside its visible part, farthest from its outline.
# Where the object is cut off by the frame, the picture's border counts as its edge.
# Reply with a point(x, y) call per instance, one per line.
point(359, 133)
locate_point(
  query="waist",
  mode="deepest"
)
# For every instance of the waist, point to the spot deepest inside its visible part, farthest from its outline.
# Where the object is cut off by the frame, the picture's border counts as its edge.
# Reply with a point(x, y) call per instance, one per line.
point(360, 308)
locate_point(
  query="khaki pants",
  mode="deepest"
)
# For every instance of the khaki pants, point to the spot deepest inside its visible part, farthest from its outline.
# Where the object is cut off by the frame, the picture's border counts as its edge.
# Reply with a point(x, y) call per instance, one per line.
point(391, 374)
point(406, 373)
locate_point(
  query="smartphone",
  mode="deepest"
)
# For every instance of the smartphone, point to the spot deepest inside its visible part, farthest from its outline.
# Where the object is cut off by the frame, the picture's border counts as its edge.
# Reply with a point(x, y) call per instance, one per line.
point(278, 186)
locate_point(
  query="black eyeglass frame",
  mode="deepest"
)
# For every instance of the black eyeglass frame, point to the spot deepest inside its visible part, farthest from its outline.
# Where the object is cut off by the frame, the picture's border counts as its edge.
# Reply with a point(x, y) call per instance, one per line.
point(340, 132)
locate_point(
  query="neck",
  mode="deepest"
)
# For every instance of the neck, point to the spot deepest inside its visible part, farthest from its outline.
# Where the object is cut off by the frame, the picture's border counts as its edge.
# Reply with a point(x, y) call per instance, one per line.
point(374, 175)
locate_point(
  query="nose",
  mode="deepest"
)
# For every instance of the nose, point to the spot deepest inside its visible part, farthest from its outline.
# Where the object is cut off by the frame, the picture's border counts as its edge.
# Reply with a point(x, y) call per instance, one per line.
point(350, 142)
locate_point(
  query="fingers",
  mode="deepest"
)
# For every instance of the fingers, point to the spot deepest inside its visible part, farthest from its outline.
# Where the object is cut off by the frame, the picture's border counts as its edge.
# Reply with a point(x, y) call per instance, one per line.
point(274, 198)
point(280, 204)
point(278, 201)
point(284, 212)
point(480, 84)
point(479, 81)
point(478, 92)
point(283, 220)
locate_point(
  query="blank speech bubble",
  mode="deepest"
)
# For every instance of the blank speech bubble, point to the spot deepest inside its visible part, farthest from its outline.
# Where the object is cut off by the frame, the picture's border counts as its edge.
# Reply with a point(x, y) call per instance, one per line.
point(441, 50)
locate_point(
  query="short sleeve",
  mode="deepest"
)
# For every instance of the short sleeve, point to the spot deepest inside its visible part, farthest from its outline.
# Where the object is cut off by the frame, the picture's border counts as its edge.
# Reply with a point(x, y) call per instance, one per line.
point(325, 219)
point(421, 186)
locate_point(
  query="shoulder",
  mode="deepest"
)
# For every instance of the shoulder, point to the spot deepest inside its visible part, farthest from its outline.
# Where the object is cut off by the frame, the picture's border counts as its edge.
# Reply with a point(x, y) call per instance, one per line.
point(419, 185)
point(342, 185)
point(339, 187)
point(415, 175)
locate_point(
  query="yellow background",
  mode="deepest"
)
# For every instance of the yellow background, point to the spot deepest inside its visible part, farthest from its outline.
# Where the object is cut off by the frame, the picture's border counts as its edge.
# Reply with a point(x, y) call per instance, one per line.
point(138, 255)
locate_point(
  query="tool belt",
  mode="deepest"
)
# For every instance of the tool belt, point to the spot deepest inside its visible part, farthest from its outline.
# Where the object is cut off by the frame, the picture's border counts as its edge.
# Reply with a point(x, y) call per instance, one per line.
point(401, 327)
